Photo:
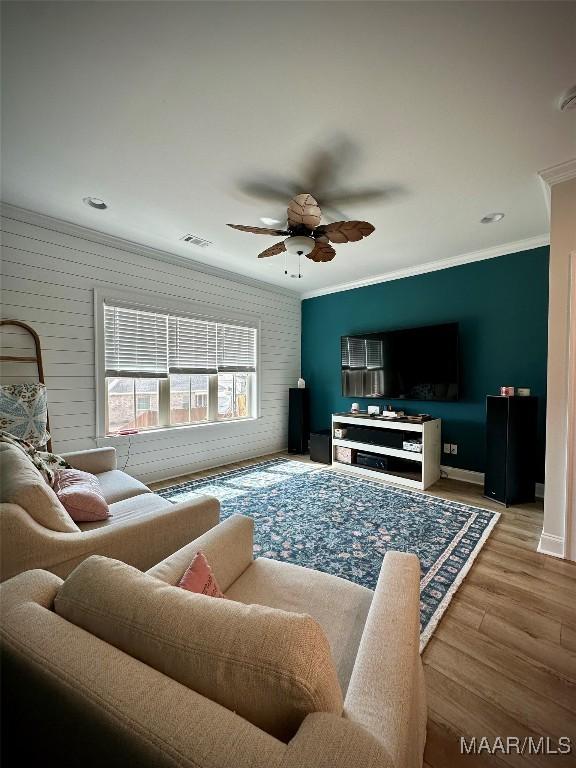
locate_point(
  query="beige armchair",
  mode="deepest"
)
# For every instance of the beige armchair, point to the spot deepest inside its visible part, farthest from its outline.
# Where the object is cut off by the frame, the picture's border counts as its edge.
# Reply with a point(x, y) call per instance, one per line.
point(90, 704)
point(36, 531)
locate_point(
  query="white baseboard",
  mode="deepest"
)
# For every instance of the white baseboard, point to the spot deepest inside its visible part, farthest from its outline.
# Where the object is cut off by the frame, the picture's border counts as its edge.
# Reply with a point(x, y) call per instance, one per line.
point(466, 475)
point(477, 478)
point(551, 545)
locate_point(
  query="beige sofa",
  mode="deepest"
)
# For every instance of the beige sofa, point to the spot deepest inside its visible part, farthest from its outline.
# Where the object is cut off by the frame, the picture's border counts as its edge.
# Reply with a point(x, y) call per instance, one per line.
point(88, 703)
point(36, 531)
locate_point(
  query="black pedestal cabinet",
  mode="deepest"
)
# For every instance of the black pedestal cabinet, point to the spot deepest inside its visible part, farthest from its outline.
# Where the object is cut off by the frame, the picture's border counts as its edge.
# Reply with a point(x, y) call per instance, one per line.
point(298, 420)
point(510, 449)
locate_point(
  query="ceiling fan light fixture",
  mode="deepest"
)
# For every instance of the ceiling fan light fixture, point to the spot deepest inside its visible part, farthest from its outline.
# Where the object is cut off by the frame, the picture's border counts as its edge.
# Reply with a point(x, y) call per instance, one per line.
point(299, 245)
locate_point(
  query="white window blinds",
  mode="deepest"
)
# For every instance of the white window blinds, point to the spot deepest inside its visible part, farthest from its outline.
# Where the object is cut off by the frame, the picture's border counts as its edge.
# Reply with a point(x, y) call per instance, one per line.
point(139, 344)
point(353, 352)
point(136, 343)
point(374, 353)
point(192, 346)
point(236, 348)
point(361, 353)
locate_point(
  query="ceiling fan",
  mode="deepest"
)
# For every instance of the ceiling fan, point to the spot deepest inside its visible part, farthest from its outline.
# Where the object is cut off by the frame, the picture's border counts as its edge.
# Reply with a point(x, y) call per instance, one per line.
point(324, 172)
point(306, 236)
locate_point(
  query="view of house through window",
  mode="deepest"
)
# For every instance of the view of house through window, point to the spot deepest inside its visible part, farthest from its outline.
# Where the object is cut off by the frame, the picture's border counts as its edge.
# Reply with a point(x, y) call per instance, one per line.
point(188, 398)
point(164, 371)
point(133, 404)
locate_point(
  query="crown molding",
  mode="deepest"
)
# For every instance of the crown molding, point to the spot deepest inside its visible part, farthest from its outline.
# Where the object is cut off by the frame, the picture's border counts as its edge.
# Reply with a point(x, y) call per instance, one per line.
point(433, 266)
point(556, 174)
point(8, 211)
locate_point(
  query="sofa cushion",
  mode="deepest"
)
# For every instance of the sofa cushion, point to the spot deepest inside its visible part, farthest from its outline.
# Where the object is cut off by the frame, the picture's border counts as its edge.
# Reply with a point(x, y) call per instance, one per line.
point(117, 485)
point(271, 667)
point(80, 495)
point(142, 505)
point(22, 484)
point(338, 605)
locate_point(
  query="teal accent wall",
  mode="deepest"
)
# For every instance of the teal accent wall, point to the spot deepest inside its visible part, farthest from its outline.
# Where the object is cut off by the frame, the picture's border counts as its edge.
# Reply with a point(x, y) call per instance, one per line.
point(502, 307)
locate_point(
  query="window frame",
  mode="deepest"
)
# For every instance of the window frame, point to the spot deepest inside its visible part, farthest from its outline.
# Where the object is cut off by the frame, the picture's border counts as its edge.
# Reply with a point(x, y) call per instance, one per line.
point(169, 305)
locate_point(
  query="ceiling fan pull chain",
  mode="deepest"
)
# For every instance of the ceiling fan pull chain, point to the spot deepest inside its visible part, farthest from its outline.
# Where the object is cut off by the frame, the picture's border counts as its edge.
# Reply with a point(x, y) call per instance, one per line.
point(285, 263)
point(299, 265)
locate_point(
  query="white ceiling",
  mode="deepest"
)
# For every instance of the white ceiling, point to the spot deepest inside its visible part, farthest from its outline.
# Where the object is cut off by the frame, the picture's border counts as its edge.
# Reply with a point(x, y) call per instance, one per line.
point(161, 108)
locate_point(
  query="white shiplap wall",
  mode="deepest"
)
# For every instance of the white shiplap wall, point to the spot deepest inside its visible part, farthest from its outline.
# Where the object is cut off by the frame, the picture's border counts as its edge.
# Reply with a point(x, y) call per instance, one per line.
point(49, 271)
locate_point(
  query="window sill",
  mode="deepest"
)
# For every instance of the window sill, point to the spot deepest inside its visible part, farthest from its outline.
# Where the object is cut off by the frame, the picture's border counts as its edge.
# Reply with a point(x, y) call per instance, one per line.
point(160, 432)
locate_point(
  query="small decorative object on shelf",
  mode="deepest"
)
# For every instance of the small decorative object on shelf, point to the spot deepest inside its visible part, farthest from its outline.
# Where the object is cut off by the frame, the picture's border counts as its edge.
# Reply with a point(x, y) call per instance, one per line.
point(412, 445)
point(419, 418)
point(355, 408)
point(301, 383)
point(343, 454)
point(507, 391)
point(388, 414)
point(373, 410)
point(340, 433)
point(523, 391)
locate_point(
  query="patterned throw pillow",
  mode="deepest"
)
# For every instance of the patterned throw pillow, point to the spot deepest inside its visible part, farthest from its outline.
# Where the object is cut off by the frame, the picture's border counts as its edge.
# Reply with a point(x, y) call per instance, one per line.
point(24, 412)
point(199, 578)
point(44, 461)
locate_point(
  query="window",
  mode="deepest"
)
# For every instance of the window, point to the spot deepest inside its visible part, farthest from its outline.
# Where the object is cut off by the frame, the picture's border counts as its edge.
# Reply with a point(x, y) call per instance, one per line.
point(232, 395)
point(188, 398)
point(166, 370)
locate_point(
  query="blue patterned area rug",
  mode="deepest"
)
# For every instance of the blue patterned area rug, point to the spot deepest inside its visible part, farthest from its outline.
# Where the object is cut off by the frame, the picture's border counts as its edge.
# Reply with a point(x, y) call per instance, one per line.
point(343, 525)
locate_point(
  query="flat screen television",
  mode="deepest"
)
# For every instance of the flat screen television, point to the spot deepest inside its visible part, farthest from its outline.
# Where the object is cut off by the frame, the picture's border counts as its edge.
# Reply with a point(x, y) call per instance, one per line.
point(407, 364)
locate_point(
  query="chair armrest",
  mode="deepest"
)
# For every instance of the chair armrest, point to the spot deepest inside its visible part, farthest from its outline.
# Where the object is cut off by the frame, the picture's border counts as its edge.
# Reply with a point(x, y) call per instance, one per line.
point(35, 586)
point(327, 741)
point(140, 541)
point(386, 694)
point(228, 548)
point(94, 460)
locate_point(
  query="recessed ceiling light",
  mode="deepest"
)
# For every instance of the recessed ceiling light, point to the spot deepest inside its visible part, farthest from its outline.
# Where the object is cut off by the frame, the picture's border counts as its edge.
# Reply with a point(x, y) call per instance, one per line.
point(270, 222)
point(95, 202)
point(490, 218)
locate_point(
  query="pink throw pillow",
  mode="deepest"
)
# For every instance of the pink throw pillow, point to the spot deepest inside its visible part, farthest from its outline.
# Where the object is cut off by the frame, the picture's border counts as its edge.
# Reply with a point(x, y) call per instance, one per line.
point(199, 578)
point(80, 495)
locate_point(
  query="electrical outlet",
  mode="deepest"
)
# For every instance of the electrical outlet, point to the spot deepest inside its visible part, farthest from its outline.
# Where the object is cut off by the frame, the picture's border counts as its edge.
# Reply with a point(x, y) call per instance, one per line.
point(454, 448)
point(447, 447)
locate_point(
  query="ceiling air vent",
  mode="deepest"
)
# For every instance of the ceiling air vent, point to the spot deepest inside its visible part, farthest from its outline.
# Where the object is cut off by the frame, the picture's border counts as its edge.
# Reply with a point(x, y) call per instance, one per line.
point(195, 240)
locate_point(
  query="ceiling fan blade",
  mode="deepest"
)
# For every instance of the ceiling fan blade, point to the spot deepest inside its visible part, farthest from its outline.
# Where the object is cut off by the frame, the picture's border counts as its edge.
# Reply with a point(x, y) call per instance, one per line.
point(321, 171)
point(321, 252)
point(346, 231)
point(328, 163)
point(274, 250)
point(303, 211)
point(259, 230)
point(354, 196)
point(269, 189)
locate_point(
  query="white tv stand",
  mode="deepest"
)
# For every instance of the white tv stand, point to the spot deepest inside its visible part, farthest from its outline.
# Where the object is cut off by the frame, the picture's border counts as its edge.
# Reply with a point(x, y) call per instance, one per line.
point(415, 470)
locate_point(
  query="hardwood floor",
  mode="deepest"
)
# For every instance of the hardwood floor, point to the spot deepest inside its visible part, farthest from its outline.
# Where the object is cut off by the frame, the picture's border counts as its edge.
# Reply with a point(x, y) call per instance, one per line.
point(502, 661)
